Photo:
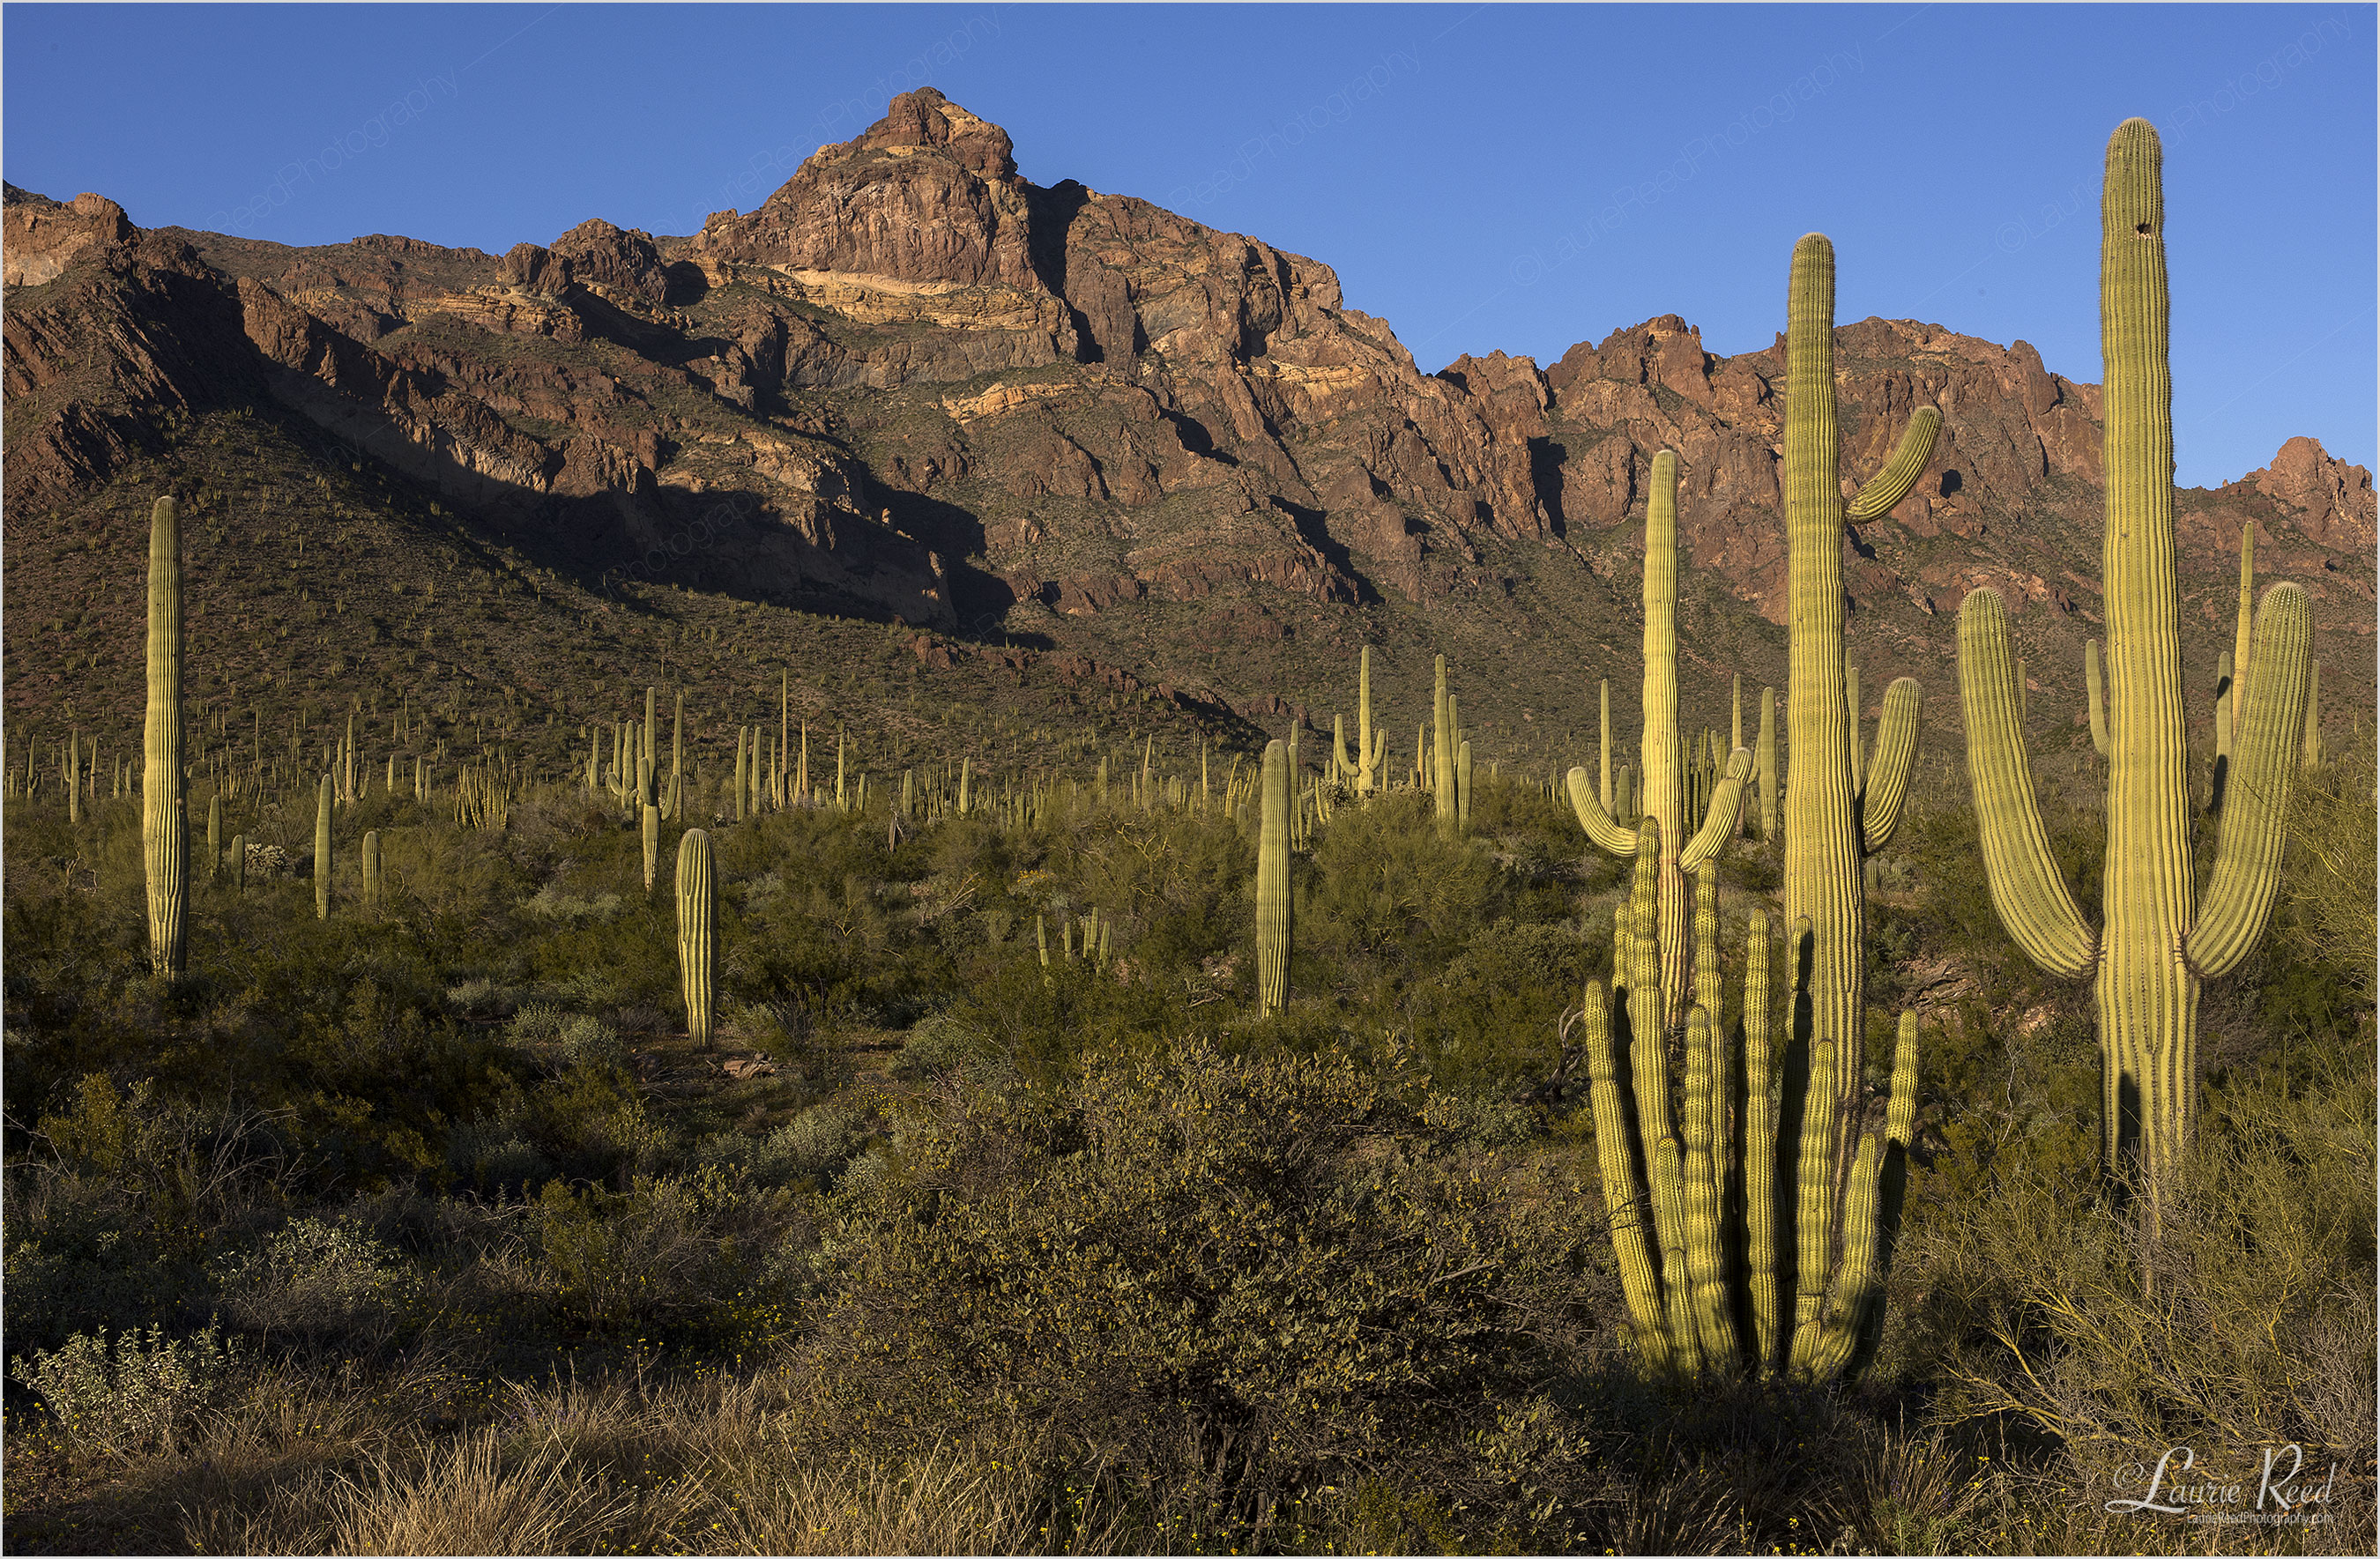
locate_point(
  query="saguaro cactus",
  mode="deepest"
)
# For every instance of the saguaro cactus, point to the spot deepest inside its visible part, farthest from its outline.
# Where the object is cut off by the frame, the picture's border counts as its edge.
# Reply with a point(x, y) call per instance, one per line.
point(2156, 944)
point(1272, 883)
point(371, 871)
point(165, 841)
point(1371, 746)
point(652, 841)
point(214, 834)
point(697, 950)
point(1659, 789)
point(239, 862)
point(1765, 764)
point(2096, 697)
point(1441, 748)
point(322, 849)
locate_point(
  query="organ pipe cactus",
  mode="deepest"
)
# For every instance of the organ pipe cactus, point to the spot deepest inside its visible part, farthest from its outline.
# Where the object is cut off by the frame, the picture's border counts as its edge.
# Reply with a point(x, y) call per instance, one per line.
point(697, 950)
point(165, 841)
point(1272, 883)
point(1678, 1189)
point(1813, 1302)
point(2156, 944)
point(1658, 790)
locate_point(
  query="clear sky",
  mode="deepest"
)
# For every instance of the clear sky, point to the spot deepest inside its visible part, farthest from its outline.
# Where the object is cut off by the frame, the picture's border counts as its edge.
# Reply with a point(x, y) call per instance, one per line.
point(1518, 177)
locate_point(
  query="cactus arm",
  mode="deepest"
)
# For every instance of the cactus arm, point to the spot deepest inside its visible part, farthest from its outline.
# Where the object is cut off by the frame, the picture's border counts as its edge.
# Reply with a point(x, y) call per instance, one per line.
point(1889, 485)
point(1608, 835)
point(1887, 787)
point(1726, 806)
point(1623, 1196)
point(2311, 756)
point(1603, 740)
point(2096, 698)
point(2248, 854)
point(2027, 890)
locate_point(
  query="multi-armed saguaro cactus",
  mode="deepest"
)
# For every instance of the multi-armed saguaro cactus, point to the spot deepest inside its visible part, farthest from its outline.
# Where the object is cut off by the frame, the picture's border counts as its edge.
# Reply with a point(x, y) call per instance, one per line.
point(1812, 1297)
point(697, 950)
point(2156, 944)
point(164, 828)
point(1661, 785)
point(1273, 882)
point(1371, 746)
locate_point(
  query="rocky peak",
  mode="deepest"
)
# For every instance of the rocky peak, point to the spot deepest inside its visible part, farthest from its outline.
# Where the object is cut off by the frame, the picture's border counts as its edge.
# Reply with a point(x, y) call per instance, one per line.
point(2334, 498)
point(40, 238)
point(925, 120)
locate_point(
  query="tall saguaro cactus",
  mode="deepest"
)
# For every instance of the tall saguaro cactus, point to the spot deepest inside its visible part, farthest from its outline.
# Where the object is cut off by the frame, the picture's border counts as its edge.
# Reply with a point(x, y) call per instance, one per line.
point(1371, 746)
point(1441, 730)
point(165, 826)
point(322, 849)
point(2157, 944)
point(1660, 784)
point(1273, 882)
point(697, 956)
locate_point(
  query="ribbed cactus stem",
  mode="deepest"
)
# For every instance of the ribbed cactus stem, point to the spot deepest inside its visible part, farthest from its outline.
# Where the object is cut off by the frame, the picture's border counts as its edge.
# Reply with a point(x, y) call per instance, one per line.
point(1761, 1217)
point(239, 862)
point(1273, 883)
point(697, 950)
point(2223, 707)
point(1366, 754)
point(371, 872)
point(322, 849)
point(214, 834)
point(677, 759)
point(652, 831)
point(2096, 696)
point(164, 844)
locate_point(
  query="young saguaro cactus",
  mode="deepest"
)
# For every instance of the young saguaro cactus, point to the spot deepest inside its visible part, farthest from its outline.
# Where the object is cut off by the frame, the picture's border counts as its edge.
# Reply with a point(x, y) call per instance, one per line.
point(164, 826)
point(697, 946)
point(1659, 787)
point(322, 849)
point(1371, 746)
point(1272, 883)
point(2157, 944)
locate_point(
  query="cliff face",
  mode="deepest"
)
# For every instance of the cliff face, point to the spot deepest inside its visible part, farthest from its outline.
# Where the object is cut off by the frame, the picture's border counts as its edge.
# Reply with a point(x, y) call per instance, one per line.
point(913, 384)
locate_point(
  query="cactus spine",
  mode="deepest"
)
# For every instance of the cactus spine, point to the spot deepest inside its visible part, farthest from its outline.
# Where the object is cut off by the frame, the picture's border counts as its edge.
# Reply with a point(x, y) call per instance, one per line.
point(1659, 791)
point(1272, 883)
point(165, 841)
point(2155, 945)
point(697, 950)
point(322, 851)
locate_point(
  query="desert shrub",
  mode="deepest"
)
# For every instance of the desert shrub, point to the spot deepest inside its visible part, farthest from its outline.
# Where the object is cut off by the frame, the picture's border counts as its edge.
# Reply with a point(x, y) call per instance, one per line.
point(1490, 1017)
point(936, 1044)
point(1270, 1270)
point(2243, 1319)
point(323, 1280)
point(492, 1158)
point(131, 1394)
point(1384, 887)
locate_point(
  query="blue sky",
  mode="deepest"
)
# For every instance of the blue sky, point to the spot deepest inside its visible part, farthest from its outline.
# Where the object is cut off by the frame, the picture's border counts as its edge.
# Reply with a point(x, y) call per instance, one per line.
point(1481, 177)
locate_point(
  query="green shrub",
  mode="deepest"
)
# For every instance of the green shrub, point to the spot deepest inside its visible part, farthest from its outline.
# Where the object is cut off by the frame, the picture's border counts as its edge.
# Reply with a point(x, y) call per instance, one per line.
point(323, 1280)
point(133, 1393)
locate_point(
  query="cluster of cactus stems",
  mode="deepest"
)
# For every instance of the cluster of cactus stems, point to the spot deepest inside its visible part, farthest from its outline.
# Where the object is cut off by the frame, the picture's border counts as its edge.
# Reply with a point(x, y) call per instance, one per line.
point(1724, 1210)
point(2156, 944)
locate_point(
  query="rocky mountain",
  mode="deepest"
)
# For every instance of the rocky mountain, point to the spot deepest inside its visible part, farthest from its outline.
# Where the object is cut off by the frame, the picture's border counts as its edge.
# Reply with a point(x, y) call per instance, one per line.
point(1027, 421)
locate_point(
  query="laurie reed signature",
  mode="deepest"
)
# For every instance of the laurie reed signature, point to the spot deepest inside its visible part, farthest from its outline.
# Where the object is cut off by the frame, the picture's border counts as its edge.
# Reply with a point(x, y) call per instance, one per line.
point(2286, 1489)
